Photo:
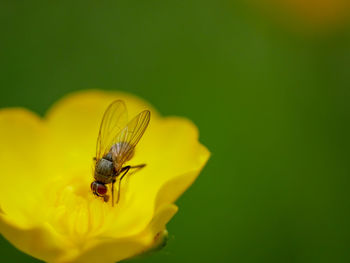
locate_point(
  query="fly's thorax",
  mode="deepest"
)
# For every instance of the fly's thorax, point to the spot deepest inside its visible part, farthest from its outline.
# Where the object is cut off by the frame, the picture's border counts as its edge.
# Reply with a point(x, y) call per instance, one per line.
point(108, 156)
point(104, 171)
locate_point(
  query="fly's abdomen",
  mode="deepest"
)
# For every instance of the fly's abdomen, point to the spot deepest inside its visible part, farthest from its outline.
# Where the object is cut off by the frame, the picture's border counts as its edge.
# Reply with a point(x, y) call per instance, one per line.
point(104, 171)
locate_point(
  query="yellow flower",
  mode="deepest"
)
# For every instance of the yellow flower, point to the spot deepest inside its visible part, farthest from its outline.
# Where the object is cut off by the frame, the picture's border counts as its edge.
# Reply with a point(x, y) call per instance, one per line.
point(47, 207)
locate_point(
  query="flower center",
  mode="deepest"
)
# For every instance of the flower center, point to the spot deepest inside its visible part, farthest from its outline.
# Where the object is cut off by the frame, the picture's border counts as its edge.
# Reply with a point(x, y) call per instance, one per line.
point(75, 212)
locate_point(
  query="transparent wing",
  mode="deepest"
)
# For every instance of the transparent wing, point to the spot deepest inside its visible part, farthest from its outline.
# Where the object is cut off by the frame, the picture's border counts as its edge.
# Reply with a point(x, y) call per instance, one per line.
point(114, 120)
point(128, 137)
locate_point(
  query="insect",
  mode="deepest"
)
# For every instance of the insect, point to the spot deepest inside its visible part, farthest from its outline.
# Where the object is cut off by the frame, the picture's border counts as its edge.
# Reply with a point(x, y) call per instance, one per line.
point(115, 146)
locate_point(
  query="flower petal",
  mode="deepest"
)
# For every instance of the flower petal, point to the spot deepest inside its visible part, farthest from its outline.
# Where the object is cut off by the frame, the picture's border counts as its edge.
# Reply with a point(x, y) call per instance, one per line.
point(113, 250)
point(175, 187)
point(41, 241)
point(21, 134)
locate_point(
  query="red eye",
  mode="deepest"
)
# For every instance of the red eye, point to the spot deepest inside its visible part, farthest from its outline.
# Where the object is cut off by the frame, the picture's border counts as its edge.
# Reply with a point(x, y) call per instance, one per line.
point(101, 189)
point(98, 188)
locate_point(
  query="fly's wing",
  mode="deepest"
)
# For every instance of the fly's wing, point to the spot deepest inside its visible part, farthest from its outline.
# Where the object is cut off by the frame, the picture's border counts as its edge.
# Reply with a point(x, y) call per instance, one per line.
point(129, 137)
point(114, 120)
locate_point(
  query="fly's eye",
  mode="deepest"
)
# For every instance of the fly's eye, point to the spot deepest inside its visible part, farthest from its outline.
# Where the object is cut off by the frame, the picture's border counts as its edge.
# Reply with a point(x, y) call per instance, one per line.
point(101, 189)
point(98, 188)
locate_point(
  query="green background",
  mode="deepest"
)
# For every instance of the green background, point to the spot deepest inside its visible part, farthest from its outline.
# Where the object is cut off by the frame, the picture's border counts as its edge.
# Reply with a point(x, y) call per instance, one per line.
point(271, 104)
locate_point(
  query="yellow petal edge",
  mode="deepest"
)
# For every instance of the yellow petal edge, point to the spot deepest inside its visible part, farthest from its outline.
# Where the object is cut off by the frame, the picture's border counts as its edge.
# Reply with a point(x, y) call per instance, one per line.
point(46, 207)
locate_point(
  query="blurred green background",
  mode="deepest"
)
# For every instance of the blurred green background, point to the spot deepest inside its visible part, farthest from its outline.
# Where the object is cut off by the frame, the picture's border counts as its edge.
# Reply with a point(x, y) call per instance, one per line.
point(270, 97)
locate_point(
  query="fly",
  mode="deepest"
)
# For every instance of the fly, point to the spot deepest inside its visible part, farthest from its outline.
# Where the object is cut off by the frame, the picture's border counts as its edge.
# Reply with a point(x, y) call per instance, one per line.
point(115, 146)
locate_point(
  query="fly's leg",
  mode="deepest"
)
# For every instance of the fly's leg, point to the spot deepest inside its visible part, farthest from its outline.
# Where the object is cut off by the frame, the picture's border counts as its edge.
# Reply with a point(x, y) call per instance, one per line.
point(113, 192)
point(136, 167)
point(125, 170)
